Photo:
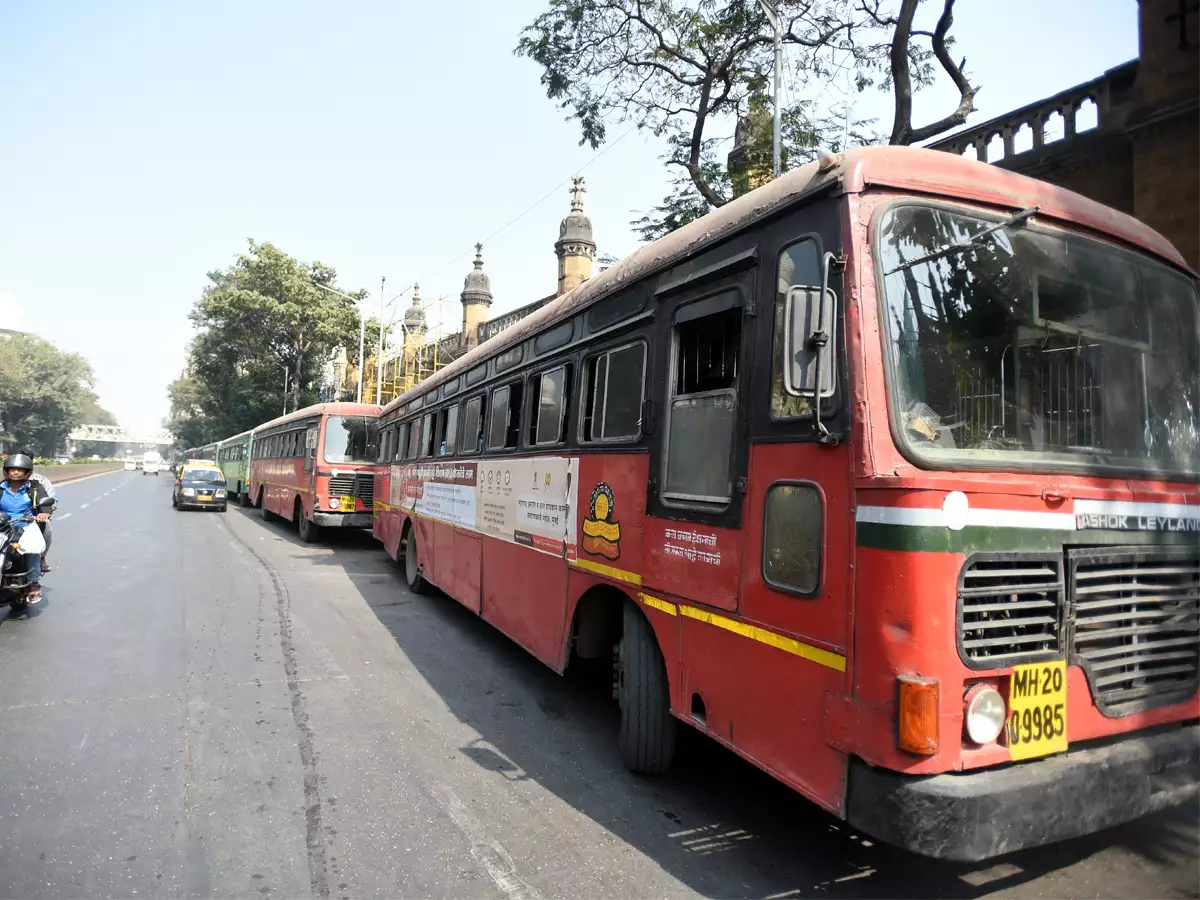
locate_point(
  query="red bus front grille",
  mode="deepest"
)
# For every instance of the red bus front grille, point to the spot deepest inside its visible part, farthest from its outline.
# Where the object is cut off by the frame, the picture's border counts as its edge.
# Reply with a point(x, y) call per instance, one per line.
point(1010, 608)
point(353, 484)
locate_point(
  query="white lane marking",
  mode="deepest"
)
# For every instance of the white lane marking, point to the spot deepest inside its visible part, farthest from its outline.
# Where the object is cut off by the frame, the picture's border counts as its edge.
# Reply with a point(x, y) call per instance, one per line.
point(84, 741)
point(84, 505)
point(487, 852)
point(97, 499)
point(63, 516)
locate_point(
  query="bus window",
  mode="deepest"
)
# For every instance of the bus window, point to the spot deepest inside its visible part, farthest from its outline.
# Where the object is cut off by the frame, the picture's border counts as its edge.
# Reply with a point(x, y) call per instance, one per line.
point(799, 264)
point(792, 538)
point(613, 384)
point(447, 430)
point(350, 439)
point(549, 391)
point(426, 447)
point(703, 403)
point(505, 425)
point(472, 430)
point(400, 443)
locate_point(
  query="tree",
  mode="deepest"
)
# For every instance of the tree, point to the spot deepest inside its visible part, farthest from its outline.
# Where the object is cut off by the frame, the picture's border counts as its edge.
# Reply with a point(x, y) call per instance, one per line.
point(259, 321)
point(44, 392)
point(688, 73)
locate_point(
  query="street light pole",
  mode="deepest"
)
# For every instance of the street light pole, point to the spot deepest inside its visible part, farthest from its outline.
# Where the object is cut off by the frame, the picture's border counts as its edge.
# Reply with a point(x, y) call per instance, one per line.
point(776, 148)
point(286, 373)
point(362, 333)
point(379, 353)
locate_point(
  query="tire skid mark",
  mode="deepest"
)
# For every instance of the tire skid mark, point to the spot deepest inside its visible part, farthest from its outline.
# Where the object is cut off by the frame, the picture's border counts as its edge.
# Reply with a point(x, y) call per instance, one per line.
point(318, 877)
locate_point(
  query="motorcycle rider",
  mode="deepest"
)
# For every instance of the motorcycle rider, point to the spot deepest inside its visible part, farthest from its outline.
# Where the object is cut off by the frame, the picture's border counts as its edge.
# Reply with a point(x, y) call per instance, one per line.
point(19, 496)
point(46, 531)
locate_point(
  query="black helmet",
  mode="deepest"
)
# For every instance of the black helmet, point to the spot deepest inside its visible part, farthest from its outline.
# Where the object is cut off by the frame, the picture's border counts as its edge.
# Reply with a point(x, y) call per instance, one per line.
point(18, 461)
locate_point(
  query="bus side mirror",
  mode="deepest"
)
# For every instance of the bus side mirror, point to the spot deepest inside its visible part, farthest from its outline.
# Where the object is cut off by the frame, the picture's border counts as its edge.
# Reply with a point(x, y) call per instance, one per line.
point(808, 348)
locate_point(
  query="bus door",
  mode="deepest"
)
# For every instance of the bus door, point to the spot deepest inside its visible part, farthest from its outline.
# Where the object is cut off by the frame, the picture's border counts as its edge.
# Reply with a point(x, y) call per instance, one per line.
point(798, 570)
point(310, 463)
point(693, 536)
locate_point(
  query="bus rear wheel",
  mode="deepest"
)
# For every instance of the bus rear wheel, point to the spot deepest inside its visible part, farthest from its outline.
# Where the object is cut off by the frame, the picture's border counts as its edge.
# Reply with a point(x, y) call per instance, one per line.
point(412, 563)
point(647, 736)
point(310, 531)
point(244, 496)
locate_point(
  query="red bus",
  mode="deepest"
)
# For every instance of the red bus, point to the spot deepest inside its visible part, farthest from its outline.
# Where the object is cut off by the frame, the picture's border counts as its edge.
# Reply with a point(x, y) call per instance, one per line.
point(313, 467)
point(883, 475)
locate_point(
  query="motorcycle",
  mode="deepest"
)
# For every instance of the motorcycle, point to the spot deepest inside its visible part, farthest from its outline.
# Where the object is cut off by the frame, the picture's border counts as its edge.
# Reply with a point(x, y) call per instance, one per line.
point(14, 577)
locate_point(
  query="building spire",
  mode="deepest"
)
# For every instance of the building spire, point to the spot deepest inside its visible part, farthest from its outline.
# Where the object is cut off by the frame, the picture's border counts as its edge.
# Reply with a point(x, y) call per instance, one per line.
point(578, 189)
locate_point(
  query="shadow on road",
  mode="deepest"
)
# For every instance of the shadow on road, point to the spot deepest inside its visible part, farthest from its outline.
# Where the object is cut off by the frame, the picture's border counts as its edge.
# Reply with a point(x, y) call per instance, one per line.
point(715, 822)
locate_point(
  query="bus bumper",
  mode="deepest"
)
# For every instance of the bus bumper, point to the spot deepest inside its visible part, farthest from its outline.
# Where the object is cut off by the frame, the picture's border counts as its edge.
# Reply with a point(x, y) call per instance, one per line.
point(342, 520)
point(971, 816)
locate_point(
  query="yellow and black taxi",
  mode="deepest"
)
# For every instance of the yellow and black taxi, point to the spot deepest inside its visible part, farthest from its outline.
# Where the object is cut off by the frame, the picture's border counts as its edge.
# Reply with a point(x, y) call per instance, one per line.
point(199, 485)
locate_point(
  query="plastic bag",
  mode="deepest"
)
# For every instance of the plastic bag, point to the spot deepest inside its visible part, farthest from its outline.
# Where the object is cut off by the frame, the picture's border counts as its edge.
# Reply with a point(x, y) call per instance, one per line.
point(32, 540)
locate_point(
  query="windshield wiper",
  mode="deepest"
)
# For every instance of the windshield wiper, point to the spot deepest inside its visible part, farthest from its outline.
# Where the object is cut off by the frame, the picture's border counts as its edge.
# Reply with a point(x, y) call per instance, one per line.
point(1015, 219)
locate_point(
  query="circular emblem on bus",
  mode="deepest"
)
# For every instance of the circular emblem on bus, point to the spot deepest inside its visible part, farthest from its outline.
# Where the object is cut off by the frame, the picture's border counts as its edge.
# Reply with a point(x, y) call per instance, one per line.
point(601, 533)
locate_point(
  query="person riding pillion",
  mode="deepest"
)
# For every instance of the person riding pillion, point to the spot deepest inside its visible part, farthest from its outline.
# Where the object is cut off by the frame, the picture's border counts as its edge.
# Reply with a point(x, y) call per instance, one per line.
point(46, 531)
point(19, 497)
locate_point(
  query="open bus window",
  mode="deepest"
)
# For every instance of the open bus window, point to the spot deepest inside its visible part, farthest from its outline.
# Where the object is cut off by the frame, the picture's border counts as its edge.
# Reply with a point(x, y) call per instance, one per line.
point(613, 390)
point(447, 430)
point(504, 428)
point(1034, 346)
point(472, 427)
point(549, 390)
point(703, 404)
point(401, 444)
point(414, 440)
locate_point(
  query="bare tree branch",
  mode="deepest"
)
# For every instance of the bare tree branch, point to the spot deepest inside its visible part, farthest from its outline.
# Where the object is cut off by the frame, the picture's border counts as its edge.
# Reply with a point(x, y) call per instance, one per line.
point(903, 131)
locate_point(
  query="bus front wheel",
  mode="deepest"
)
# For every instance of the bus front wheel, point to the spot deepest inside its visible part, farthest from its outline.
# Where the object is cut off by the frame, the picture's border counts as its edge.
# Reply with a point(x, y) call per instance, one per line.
point(412, 564)
point(310, 531)
point(647, 736)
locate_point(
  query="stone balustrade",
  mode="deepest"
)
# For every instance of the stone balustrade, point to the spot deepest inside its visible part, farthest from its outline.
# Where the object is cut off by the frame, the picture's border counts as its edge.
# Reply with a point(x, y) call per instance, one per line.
point(1051, 120)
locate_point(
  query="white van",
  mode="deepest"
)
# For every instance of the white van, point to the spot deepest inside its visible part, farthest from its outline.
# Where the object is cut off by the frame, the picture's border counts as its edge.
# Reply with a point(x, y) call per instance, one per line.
point(151, 463)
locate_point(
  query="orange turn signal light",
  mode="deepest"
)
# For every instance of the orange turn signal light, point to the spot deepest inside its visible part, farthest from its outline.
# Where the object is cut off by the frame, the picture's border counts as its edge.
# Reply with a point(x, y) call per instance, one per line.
point(918, 719)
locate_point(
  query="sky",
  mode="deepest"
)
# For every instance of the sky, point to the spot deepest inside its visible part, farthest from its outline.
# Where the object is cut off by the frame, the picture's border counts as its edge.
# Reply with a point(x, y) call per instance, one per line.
point(142, 142)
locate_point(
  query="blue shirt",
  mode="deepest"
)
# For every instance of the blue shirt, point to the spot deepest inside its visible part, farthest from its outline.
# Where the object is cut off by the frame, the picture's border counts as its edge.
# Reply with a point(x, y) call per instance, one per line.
point(18, 502)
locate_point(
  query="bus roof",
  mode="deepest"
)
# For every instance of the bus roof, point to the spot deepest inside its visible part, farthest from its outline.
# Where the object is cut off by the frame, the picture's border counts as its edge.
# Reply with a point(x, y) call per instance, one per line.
point(330, 409)
point(910, 169)
point(244, 434)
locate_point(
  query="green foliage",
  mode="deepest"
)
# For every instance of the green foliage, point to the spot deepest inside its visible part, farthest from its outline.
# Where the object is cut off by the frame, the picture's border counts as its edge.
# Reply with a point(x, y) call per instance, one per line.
point(44, 392)
point(691, 73)
point(260, 317)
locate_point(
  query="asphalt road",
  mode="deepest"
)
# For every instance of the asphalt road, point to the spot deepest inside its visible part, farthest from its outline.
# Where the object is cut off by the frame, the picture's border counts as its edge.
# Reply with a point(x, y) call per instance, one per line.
point(203, 706)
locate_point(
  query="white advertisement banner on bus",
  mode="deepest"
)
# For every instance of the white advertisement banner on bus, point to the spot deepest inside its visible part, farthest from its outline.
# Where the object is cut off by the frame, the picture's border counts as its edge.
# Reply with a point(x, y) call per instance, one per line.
point(524, 501)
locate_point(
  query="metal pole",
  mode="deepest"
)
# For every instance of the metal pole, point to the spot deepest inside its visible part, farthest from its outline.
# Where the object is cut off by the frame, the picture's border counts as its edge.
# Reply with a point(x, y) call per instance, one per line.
point(776, 101)
point(362, 338)
point(286, 373)
point(379, 353)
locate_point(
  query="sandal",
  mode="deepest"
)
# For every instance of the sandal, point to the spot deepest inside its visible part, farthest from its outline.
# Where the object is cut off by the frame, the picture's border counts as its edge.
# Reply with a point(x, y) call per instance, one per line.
point(34, 596)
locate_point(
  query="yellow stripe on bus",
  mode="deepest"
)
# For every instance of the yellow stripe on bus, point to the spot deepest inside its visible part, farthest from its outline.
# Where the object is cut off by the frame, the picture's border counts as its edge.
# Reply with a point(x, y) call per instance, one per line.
point(787, 644)
point(661, 605)
point(609, 571)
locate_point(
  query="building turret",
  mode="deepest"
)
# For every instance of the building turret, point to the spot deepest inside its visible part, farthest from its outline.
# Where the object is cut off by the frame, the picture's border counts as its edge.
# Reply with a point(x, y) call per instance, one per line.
point(476, 298)
point(414, 317)
point(575, 248)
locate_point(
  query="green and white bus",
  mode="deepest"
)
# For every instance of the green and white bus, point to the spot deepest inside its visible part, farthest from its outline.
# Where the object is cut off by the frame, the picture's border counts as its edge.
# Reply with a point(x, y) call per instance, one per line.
point(233, 456)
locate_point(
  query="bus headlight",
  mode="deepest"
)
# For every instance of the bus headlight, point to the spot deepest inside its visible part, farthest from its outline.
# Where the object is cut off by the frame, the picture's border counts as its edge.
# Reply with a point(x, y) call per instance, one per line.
point(984, 715)
point(333, 502)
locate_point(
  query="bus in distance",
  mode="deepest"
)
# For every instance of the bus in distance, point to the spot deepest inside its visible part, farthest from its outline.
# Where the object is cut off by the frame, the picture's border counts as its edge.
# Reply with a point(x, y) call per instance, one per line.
point(314, 467)
point(883, 475)
point(233, 456)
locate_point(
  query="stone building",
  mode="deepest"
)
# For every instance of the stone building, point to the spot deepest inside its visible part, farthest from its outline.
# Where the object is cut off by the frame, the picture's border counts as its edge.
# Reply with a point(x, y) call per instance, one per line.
point(1129, 139)
point(418, 356)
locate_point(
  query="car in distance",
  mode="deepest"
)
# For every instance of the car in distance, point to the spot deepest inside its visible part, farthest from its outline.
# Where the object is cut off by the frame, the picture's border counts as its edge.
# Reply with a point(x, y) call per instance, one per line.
point(200, 487)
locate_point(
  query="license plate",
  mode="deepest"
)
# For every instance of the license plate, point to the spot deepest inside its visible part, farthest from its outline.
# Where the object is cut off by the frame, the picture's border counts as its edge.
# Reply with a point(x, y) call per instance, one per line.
point(204, 499)
point(347, 504)
point(1037, 703)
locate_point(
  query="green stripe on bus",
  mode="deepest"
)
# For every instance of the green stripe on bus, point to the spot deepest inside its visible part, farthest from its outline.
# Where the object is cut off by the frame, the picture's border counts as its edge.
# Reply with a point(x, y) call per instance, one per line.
point(919, 538)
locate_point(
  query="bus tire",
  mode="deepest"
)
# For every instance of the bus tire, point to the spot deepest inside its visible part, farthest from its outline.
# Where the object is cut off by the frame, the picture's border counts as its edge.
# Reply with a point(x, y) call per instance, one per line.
point(412, 563)
point(267, 515)
point(310, 531)
point(647, 736)
point(244, 497)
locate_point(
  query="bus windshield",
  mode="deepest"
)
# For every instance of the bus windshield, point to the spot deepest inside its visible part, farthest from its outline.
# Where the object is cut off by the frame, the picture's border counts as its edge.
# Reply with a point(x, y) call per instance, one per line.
point(1026, 346)
point(350, 439)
